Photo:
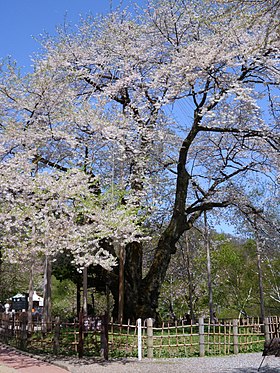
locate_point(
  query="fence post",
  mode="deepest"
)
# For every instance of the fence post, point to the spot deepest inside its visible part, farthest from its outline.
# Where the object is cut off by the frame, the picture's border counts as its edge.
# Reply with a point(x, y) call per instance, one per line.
point(13, 322)
point(201, 337)
point(139, 332)
point(235, 337)
point(150, 342)
point(23, 334)
point(266, 329)
point(81, 334)
point(104, 337)
point(56, 336)
point(6, 327)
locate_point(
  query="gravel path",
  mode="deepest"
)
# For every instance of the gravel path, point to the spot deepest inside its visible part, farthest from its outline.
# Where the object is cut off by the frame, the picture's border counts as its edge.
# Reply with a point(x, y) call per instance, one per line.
point(242, 363)
point(11, 361)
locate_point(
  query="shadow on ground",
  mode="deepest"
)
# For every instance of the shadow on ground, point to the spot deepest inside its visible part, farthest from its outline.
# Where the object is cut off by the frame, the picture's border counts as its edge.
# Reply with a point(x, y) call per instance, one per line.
point(84, 361)
point(263, 369)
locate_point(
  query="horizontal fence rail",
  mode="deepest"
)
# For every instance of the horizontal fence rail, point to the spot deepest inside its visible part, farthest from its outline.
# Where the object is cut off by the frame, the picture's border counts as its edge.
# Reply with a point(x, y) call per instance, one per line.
point(98, 337)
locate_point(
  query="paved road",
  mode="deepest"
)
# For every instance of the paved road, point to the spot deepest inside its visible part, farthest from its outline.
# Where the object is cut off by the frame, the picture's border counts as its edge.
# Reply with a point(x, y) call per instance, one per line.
point(14, 362)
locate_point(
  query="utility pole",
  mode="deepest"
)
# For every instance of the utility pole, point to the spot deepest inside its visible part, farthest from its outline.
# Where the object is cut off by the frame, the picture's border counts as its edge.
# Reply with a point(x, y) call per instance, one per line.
point(189, 275)
point(121, 283)
point(209, 279)
point(260, 274)
point(85, 290)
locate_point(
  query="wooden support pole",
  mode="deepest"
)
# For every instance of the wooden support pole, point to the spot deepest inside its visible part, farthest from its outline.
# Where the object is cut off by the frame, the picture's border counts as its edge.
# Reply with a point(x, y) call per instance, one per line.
point(266, 329)
point(56, 336)
point(235, 337)
point(104, 337)
point(81, 334)
point(201, 337)
point(150, 352)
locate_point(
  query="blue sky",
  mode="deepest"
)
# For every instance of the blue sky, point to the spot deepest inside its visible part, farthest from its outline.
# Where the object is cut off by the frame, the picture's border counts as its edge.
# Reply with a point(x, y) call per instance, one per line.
point(22, 20)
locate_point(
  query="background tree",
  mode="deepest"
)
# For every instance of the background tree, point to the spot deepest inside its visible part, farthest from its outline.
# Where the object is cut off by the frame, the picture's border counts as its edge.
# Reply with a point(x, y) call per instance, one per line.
point(234, 279)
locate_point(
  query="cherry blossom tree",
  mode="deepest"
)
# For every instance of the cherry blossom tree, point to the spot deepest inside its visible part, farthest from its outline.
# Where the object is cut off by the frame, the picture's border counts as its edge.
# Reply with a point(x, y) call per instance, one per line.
point(100, 101)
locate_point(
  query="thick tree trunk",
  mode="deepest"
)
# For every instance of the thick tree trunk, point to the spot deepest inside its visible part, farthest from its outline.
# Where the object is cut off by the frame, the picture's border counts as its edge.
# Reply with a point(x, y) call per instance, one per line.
point(151, 284)
point(141, 294)
point(133, 280)
point(47, 293)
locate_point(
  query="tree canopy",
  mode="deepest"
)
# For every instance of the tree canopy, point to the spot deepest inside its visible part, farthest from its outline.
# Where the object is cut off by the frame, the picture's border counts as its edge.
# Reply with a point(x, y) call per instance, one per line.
point(97, 117)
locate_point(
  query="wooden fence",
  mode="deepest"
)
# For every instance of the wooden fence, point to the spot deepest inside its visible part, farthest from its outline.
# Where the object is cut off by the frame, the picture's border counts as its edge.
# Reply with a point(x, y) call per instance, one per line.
point(204, 338)
point(196, 339)
point(97, 337)
point(85, 337)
